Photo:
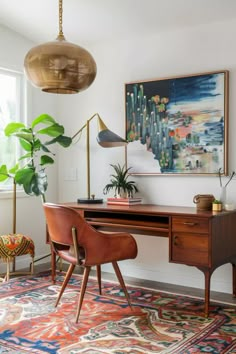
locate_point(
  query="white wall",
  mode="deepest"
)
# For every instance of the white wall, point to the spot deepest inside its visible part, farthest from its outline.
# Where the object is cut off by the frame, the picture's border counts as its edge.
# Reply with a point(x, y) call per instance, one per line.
point(200, 49)
point(30, 218)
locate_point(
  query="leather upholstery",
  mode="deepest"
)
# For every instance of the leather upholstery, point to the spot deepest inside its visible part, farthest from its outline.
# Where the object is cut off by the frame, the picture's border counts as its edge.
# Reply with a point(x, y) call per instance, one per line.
point(89, 247)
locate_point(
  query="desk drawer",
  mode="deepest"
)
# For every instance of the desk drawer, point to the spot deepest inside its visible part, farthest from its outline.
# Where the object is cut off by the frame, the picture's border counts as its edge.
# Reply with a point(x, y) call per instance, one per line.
point(191, 249)
point(190, 224)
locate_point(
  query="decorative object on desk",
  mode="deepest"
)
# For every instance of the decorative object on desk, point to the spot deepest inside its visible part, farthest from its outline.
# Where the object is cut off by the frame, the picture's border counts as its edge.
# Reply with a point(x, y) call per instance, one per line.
point(106, 138)
point(203, 201)
point(223, 188)
point(60, 66)
point(119, 182)
point(161, 322)
point(178, 125)
point(216, 205)
point(124, 201)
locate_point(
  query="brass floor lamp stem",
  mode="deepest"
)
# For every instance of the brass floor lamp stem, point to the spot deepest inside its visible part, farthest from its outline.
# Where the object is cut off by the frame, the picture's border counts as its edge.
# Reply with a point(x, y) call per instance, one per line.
point(14, 220)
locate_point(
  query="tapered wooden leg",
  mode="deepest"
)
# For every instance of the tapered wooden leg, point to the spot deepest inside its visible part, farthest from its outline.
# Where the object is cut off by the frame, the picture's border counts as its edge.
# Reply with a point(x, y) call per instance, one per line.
point(32, 266)
point(234, 279)
point(8, 270)
point(99, 279)
point(121, 281)
point(65, 282)
point(207, 274)
point(14, 265)
point(82, 291)
point(53, 265)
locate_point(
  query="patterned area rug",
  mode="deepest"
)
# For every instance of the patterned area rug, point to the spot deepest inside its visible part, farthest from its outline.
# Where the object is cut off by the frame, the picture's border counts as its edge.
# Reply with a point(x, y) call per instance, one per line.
point(159, 323)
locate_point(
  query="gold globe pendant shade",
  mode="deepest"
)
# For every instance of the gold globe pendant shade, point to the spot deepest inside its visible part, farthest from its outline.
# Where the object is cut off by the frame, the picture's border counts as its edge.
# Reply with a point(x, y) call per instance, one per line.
point(60, 66)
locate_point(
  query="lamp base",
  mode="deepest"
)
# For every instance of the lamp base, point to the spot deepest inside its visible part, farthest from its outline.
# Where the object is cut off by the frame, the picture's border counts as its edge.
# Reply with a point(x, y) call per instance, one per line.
point(89, 201)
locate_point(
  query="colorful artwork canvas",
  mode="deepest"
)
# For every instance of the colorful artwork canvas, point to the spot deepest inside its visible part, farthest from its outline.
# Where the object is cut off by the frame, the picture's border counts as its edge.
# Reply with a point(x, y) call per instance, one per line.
point(178, 125)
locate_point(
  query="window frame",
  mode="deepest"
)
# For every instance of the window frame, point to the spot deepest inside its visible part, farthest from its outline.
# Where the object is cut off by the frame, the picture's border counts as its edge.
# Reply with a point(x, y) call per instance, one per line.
point(21, 116)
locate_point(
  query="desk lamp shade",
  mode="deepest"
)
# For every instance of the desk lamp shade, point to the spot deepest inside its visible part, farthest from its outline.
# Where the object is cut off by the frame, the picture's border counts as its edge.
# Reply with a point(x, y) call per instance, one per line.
point(60, 66)
point(106, 138)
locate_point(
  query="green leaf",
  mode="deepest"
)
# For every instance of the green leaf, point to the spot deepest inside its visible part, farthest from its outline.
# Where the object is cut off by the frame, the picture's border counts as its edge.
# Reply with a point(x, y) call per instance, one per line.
point(12, 128)
point(64, 141)
point(26, 156)
point(27, 136)
point(37, 145)
point(3, 173)
point(45, 160)
point(43, 118)
point(54, 130)
point(14, 169)
point(33, 183)
point(26, 145)
point(24, 176)
point(40, 184)
point(44, 148)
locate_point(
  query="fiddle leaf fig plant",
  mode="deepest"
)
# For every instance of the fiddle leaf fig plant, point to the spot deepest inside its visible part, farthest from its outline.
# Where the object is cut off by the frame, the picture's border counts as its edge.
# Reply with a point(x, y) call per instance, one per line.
point(119, 182)
point(36, 141)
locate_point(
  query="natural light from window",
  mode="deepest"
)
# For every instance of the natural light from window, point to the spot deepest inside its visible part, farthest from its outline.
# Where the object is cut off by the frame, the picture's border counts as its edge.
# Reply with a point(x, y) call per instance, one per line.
point(11, 110)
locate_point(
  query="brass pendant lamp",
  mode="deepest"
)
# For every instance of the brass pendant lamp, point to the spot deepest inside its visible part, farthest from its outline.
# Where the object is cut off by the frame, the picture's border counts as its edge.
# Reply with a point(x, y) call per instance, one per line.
point(60, 66)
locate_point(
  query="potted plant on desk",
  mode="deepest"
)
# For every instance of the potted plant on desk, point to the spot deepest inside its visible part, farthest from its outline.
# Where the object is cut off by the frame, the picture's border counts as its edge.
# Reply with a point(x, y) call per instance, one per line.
point(120, 183)
point(216, 205)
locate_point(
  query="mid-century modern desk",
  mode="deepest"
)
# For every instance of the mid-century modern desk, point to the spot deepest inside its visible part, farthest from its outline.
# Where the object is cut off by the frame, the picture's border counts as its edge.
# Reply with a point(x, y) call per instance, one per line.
point(203, 239)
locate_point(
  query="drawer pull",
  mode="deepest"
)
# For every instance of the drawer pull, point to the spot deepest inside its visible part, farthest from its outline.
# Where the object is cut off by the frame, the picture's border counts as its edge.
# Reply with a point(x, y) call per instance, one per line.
point(190, 223)
point(175, 240)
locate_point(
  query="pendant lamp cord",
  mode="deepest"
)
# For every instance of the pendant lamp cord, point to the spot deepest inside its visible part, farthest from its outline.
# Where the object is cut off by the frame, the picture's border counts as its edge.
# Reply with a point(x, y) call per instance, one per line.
point(60, 19)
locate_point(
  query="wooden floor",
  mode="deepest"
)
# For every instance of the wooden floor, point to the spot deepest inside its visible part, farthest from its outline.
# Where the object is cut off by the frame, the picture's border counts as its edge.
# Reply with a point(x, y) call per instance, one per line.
point(215, 296)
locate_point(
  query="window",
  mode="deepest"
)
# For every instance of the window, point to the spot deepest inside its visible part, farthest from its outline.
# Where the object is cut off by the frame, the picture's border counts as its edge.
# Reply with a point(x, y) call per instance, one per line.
point(11, 109)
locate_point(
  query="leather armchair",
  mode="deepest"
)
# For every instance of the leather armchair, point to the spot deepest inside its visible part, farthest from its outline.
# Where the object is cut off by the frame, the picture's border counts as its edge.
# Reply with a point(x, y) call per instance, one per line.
point(78, 243)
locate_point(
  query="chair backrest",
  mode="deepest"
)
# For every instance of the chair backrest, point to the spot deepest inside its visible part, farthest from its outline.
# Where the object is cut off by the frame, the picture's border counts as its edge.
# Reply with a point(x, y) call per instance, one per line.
point(60, 221)
point(63, 225)
point(69, 229)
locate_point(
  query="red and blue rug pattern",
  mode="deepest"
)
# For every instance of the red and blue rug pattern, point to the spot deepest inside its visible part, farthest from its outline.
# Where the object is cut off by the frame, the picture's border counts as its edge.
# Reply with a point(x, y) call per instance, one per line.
point(159, 322)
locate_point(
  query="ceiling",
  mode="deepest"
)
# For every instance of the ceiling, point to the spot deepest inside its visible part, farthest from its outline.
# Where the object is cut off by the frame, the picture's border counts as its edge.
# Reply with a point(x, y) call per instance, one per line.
point(99, 20)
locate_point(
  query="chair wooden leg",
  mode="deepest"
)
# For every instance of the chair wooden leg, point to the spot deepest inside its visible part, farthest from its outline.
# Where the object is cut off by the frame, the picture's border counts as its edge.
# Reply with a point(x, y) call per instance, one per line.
point(82, 291)
point(53, 265)
point(121, 281)
point(65, 282)
point(8, 270)
point(32, 266)
point(60, 264)
point(99, 279)
point(14, 265)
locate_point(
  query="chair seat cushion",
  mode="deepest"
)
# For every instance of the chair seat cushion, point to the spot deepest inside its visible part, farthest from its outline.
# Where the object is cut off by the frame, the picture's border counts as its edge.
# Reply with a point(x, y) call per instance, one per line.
point(13, 245)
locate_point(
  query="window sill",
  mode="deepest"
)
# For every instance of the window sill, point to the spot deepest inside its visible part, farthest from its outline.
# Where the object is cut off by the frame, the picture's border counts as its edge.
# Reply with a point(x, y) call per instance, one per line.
point(8, 194)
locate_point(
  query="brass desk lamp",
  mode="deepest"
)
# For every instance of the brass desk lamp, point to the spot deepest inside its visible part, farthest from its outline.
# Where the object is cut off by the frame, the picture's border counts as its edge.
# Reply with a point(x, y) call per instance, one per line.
point(106, 138)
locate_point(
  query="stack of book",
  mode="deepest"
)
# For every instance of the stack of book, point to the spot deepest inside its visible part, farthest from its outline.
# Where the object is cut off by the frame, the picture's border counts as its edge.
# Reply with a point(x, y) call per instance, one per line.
point(124, 201)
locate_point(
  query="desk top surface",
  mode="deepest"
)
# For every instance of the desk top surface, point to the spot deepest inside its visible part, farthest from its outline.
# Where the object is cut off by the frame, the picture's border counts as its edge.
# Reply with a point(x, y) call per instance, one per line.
point(147, 209)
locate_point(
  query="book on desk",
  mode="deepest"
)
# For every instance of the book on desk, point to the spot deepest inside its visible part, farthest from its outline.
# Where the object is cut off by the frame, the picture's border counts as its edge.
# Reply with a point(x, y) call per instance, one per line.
point(124, 201)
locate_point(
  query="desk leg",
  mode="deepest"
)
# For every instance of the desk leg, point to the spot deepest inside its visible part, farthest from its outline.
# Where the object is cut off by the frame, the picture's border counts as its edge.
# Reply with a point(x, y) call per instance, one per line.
point(234, 279)
point(207, 275)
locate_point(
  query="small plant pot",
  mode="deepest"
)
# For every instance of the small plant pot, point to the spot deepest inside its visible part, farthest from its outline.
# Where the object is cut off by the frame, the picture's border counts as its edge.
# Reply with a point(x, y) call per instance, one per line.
point(217, 207)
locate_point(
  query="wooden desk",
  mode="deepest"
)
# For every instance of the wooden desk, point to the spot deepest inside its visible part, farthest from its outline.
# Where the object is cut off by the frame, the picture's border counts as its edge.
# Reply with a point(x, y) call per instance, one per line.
point(203, 239)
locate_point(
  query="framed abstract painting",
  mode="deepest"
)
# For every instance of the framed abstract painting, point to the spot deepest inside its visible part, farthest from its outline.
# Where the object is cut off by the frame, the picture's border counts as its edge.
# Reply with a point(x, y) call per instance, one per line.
point(178, 125)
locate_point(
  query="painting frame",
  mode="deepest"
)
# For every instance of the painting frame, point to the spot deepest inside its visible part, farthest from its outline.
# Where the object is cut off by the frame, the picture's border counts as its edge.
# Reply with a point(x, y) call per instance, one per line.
point(182, 121)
